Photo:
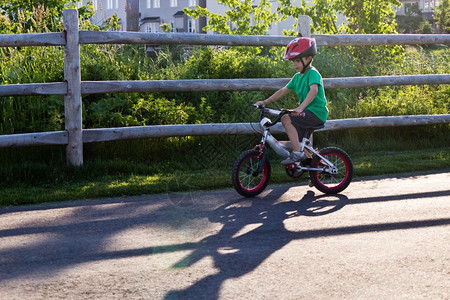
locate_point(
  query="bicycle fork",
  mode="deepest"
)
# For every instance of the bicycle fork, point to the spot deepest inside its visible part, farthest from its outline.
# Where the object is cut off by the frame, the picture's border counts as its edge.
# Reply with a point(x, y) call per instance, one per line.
point(331, 168)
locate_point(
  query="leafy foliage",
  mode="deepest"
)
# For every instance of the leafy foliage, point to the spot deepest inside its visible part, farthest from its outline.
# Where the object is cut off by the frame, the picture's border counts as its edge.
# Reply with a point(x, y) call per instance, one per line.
point(425, 27)
point(376, 16)
point(408, 24)
point(442, 14)
point(36, 16)
point(361, 16)
point(24, 16)
point(242, 18)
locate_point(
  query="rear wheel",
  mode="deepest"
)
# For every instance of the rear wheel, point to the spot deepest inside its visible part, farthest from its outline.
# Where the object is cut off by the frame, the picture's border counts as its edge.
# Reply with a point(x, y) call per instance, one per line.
point(248, 178)
point(330, 182)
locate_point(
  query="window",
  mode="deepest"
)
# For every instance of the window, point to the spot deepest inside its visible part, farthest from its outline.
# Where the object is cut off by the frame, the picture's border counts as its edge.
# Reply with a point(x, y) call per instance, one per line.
point(173, 3)
point(152, 27)
point(192, 3)
point(427, 6)
point(112, 4)
point(191, 25)
point(149, 3)
point(430, 5)
point(156, 3)
point(95, 4)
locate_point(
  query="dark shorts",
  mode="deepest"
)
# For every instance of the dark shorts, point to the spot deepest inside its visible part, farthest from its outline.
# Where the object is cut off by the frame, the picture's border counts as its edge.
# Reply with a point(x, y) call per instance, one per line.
point(301, 123)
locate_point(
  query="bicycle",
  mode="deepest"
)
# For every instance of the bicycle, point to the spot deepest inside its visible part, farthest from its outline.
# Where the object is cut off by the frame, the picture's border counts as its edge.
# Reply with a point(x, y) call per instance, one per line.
point(330, 169)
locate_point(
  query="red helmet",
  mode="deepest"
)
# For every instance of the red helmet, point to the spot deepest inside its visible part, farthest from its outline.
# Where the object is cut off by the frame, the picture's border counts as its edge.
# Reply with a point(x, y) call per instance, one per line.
point(301, 47)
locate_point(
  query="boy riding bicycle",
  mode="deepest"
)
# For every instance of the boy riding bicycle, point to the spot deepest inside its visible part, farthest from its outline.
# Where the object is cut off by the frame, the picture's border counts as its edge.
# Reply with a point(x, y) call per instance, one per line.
point(308, 85)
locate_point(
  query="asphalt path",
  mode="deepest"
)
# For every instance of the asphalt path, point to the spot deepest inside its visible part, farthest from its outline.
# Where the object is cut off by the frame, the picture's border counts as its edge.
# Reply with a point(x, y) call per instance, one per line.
point(380, 239)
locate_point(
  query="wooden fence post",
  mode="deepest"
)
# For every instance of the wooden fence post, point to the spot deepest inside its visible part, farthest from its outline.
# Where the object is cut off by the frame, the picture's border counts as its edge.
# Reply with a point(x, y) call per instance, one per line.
point(72, 100)
point(304, 24)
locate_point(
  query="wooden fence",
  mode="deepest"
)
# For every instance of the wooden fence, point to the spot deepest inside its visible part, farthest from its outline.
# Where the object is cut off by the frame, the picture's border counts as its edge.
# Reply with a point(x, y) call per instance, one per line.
point(72, 88)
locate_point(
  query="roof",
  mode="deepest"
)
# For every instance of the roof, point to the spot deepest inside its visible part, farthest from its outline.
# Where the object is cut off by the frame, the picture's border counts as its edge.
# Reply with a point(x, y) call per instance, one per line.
point(151, 20)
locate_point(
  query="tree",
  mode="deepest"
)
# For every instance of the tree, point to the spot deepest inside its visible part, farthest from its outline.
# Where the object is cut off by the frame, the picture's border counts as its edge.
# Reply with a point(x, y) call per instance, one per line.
point(322, 14)
point(39, 15)
point(166, 27)
point(412, 9)
point(242, 18)
point(442, 15)
point(410, 22)
point(425, 27)
point(361, 16)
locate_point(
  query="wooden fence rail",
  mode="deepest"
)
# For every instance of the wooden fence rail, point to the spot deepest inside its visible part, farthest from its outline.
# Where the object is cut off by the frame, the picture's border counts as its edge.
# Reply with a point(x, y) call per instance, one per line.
point(155, 131)
point(72, 88)
point(101, 37)
point(107, 37)
point(195, 85)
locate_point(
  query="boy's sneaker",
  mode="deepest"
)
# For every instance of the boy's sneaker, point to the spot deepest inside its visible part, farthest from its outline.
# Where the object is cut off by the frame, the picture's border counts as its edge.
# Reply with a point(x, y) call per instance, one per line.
point(294, 157)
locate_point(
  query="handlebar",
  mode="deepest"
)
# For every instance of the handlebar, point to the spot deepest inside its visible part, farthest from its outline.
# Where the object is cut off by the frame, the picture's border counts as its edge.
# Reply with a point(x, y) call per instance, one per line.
point(270, 111)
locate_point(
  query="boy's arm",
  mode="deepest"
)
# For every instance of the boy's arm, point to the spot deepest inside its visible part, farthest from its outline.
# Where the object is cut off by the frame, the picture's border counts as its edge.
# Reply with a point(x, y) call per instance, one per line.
point(275, 97)
point(313, 90)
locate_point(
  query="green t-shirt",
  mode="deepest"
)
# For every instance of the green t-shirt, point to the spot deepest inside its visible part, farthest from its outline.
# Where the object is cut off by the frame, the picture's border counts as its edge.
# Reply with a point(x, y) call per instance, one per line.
point(301, 83)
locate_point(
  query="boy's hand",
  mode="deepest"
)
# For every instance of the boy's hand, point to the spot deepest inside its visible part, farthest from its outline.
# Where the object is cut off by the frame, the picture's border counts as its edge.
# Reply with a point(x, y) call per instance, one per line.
point(260, 103)
point(297, 112)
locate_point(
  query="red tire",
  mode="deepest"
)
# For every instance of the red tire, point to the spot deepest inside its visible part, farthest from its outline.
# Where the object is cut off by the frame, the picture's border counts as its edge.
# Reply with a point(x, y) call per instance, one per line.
point(332, 182)
point(245, 176)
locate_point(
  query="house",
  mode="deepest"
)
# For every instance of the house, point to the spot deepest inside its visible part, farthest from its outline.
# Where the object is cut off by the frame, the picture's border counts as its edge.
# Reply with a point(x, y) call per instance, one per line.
point(149, 15)
point(154, 13)
point(105, 9)
point(427, 7)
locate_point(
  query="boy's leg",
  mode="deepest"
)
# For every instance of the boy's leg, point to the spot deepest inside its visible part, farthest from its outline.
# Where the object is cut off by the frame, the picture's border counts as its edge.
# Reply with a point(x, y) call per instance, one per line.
point(291, 132)
point(299, 124)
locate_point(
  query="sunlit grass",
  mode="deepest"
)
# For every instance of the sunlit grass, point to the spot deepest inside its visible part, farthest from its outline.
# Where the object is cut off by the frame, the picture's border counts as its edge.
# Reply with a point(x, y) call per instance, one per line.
point(365, 164)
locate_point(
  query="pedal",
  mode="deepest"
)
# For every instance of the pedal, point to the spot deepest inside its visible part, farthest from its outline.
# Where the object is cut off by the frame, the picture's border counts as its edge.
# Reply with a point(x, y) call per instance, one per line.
point(294, 170)
point(291, 166)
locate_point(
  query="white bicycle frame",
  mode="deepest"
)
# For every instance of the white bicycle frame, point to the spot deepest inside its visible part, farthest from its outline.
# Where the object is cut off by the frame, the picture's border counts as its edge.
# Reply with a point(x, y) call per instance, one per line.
point(282, 149)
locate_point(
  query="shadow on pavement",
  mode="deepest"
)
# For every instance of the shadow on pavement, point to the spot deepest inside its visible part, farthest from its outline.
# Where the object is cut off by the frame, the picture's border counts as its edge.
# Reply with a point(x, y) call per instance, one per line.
point(80, 237)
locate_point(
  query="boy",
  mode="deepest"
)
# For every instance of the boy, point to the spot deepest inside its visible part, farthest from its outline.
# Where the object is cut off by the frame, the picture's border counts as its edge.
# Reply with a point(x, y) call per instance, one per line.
point(308, 85)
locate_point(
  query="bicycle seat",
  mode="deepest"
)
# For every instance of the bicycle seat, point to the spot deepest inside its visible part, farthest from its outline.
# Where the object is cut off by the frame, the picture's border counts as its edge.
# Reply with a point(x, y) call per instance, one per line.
point(310, 130)
point(318, 126)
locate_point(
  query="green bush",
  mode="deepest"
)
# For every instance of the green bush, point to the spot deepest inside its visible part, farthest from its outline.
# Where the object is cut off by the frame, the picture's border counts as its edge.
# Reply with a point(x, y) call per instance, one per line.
point(116, 111)
point(409, 100)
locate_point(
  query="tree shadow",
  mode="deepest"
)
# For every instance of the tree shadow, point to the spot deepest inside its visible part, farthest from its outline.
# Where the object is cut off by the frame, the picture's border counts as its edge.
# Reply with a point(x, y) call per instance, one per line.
point(237, 250)
point(82, 233)
point(253, 230)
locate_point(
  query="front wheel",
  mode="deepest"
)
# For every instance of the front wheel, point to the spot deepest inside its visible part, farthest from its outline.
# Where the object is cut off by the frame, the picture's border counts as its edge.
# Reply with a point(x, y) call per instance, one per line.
point(249, 179)
point(329, 182)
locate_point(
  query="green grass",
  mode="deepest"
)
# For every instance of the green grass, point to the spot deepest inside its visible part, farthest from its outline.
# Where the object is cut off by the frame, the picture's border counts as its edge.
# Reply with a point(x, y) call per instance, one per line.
point(115, 179)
